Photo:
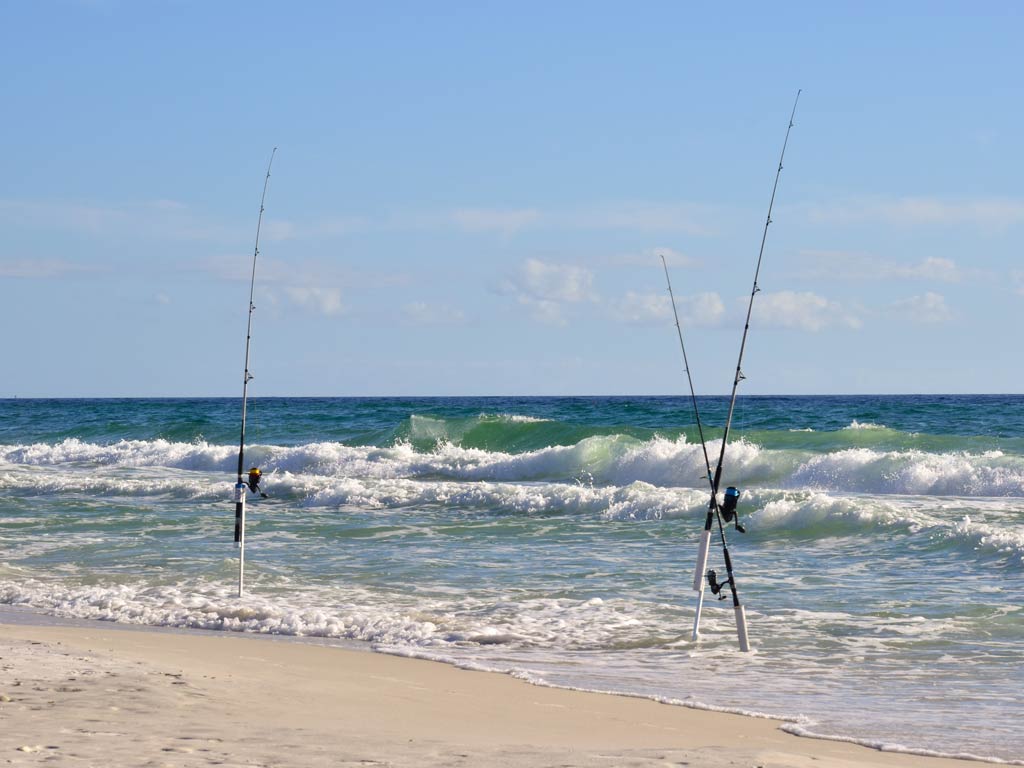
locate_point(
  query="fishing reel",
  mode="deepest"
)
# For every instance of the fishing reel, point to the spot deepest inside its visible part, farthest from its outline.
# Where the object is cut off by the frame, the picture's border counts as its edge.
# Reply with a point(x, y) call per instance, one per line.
point(716, 585)
point(728, 508)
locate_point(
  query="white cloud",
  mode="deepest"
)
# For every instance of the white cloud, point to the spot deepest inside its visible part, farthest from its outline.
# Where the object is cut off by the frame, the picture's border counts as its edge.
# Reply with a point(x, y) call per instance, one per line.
point(555, 282)
point(322, 300)
point(859, 266)
point(333, 226)
point(689, 218)
point(642, 309)
point(171, 219)
point(167, 219)
point(989, 213)
point(312, 285)
point(642, 217)
point(675, 258)
point(494, 220)
point(277, 229)
point(1017, 280)
point(547, 288)
point(546, 312)
point(932, 268)
point(652, 257)
point(929, 309)
point(704, 309)
point(802, 310)
point(41, 268)
point(421, 313)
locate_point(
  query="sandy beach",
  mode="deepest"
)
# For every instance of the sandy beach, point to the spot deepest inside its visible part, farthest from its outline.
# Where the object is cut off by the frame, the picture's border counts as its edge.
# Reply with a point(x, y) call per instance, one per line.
point(95, 696)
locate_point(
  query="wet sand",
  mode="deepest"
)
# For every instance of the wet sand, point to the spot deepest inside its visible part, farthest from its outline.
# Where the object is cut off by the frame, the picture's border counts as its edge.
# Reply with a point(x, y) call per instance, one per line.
point(99, 696)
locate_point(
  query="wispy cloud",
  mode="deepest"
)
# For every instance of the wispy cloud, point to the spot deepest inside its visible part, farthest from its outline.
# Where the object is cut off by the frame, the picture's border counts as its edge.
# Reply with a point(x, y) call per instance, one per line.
point(421, 313)
point(1017, 281)
point(166, 219)
point(504, 221)
point(927, 309)
point(689, 218)
point(932, 268)
point(555, 282)
point(803, 310)
point(988, 213)
point(163, 219)
point(334, 226)
point(41, 269)
point(645, 217)
point(323, 300)
point(312, 229)
point(703, 309)
point(170, 219)
point(859, 266)
point(546, 288)
point(312, 286)
point(651, 257)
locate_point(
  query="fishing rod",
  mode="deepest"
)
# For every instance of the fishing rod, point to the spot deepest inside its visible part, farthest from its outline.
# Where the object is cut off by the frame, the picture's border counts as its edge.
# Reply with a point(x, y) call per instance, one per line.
point(727, 511)
point(705, 540)
point(254, 475)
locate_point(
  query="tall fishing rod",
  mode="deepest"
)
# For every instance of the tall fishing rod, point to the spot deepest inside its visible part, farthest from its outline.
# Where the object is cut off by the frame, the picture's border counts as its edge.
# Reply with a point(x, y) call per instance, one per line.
point(727, 510)
point(241, 486)
point(712, 508)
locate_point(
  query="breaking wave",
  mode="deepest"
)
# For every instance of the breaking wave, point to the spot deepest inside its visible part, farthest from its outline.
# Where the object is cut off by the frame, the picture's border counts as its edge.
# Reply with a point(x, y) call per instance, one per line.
point(616, 459)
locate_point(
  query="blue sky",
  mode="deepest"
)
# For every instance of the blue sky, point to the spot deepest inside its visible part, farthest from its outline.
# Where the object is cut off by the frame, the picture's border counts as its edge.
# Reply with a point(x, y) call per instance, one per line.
point(470, 198)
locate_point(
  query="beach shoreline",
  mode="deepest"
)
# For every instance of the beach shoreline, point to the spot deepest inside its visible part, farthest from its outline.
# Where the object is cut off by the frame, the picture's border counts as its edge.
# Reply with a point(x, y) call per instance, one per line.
point(86, 694)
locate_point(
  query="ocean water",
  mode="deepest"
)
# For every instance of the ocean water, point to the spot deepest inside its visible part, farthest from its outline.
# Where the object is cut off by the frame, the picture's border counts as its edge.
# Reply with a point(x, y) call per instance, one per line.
point(554, 538)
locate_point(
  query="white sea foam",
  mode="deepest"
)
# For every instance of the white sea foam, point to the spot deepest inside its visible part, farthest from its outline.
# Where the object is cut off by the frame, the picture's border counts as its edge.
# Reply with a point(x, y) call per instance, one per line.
point(605, 459)
point(865, 571)
point(349, 613)
point(634, 501)
point(1002, 538)
point(460, 631)
point(441, 429)
point(864, 470)
point(864, 425)
point(513, 418)
point(802, 729)
point(139, 453)
point(164, 483)
point(802, 511)
point(816, 513)
point(613, 460)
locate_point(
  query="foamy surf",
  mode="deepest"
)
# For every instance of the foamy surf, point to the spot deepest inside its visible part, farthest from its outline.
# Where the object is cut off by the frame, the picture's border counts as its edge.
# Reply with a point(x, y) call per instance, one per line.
point(554, 539)
point(610, 460)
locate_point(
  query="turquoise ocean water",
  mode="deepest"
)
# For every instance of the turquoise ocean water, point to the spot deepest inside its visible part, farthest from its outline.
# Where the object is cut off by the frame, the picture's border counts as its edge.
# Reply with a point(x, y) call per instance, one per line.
point(554, 538)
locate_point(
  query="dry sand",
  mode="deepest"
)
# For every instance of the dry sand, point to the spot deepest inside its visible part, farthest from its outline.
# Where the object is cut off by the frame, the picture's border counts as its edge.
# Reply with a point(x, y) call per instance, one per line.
point(95, 696)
